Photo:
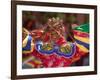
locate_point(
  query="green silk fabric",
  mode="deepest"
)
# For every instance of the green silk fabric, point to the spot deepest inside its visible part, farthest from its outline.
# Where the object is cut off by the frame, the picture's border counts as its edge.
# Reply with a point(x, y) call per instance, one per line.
point(83, 28)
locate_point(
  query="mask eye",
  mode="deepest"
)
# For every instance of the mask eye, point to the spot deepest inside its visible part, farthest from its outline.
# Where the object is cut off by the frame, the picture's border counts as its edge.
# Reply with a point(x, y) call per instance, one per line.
point(47, 47)
point(65, 49)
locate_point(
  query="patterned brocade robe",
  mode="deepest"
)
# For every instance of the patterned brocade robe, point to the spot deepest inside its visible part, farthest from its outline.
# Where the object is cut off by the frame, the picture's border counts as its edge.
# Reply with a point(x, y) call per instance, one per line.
point(32, 58)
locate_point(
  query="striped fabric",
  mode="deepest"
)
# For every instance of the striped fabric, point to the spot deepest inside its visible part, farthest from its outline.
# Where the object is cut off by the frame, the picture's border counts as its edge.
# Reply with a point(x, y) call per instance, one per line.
point(81, 35)
point(28, 45)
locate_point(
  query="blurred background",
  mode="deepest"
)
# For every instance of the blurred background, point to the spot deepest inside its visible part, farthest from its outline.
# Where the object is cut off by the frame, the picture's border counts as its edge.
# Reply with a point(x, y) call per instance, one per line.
point(33, 20)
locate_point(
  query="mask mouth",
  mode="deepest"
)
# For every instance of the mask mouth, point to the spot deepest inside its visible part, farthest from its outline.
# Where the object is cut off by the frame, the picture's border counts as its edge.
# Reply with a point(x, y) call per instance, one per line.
point(66, 51)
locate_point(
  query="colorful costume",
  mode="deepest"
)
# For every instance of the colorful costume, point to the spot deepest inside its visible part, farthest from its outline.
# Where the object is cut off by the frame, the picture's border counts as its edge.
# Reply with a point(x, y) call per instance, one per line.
point(58, 54)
